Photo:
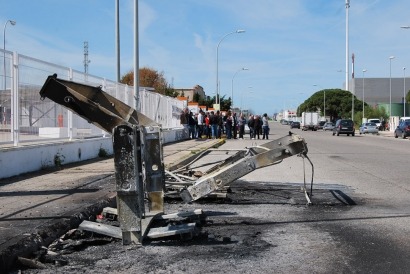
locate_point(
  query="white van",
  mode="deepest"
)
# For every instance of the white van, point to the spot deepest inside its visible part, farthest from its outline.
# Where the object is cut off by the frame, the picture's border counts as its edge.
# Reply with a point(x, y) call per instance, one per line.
point(404, 119)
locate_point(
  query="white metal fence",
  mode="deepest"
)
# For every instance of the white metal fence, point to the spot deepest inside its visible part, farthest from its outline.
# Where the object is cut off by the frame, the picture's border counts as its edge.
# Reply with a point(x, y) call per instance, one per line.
point(24, 117)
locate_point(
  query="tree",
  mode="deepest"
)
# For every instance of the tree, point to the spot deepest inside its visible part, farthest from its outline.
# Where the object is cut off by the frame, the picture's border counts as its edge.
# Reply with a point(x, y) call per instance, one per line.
point(225, 103)
point(197, 97)
point(149, 77)
point(209, 102)
point(339, 105)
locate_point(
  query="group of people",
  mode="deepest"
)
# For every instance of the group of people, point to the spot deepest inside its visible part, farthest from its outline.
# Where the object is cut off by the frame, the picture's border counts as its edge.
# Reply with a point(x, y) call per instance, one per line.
point(215, 124)
point(258, 125)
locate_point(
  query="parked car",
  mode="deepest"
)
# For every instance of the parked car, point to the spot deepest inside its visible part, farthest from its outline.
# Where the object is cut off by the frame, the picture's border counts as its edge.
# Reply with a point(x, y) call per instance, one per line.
point(295, 125)
point(404, 119)
point(284, 122)
point(369, 128)
point(376, 121)
point(321, 124)
point(344, 126)
point(328, 126)
point(403, 130)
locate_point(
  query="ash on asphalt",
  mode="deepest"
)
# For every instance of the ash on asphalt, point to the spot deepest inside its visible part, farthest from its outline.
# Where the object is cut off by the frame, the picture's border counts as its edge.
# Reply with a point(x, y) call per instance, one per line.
point(233, 236)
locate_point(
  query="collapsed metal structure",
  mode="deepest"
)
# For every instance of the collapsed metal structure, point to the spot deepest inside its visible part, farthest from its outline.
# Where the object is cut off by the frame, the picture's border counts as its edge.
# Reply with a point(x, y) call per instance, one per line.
point(138, 158)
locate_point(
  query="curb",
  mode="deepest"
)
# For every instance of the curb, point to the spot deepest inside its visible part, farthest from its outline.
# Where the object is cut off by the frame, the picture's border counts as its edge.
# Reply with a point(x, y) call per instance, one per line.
point(187, 156)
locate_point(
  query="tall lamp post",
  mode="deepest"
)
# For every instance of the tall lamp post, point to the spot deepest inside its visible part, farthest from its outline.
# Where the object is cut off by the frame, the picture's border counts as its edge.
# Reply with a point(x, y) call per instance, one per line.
point(404, 91)
point(391, 58)
point(250, 91)
point(4, 48)
point(217, 61)
point(232, 83)
point(404, 81)
point(364, 70)
point(347, 5)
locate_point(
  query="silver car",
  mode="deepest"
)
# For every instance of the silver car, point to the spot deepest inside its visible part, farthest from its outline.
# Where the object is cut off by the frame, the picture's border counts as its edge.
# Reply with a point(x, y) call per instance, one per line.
point(328, 126)
point(369, 128)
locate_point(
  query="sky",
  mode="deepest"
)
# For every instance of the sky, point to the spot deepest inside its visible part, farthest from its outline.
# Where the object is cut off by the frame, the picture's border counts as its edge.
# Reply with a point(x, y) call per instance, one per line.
point(291, 49)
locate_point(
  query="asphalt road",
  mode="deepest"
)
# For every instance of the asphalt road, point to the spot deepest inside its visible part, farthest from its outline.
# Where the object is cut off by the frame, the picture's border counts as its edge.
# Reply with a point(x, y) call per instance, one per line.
point(376, 170)
point(366, 219)
point(359, 221)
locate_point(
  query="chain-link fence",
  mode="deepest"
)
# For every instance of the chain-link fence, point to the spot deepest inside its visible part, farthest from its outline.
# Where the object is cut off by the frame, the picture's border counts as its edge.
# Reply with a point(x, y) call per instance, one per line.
point(25, 117)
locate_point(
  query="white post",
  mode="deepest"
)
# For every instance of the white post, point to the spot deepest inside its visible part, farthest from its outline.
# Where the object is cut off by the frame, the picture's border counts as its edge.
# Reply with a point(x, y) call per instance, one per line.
point(364, 70)
point(70, 126)
point(404, 91)
point(136, 57)
point(15, 111)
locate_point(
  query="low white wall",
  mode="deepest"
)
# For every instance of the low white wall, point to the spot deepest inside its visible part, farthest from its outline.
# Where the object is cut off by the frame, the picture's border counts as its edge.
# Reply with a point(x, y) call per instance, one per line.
point(18, 160)
point(29, 158)
point(174, 135)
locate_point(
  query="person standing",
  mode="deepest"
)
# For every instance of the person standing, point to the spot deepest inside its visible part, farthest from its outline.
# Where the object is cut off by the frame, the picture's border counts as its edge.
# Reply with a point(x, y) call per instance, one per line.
point(241, 124)
point(257, 127)
point(213, 119)
point(207, 126)
point(265, 126)
point(192, 124)
point(235, 125)
point(219, 123)
point(183, 118)
point(200, 123)
point(228, 125)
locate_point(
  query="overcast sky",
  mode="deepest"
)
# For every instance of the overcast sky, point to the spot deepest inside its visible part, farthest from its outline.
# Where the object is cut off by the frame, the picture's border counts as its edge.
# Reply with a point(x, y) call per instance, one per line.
point(288, 46)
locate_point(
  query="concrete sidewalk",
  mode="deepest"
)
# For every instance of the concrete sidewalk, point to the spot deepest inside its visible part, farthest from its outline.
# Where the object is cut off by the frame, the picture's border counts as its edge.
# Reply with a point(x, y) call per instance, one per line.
point(37, 208)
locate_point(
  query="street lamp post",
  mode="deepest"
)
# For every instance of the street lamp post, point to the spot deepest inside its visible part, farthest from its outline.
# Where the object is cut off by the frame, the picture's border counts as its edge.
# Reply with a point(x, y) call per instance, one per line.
point(364, 70)
point(404, 91)
point(232, 84)
point(391, 58)
point(250, 91)
point(217, 56)
point(404, 81)
point(4, 48)
point(347, 5)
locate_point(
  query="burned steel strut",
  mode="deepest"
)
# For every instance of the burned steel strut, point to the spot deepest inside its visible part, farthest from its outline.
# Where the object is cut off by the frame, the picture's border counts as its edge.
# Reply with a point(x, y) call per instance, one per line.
point(244, 162)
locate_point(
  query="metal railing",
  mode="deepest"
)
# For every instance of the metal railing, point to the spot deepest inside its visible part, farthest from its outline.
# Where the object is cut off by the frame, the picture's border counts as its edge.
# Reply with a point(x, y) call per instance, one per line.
point(25, 117)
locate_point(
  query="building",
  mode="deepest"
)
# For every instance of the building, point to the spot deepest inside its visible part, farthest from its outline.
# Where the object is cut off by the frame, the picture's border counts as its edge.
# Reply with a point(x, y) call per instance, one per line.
point(190, 92)
point(376, 92)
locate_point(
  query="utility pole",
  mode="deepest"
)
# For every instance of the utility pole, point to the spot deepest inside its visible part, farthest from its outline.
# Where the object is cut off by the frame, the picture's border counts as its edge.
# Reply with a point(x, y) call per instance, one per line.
point(86, 61)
